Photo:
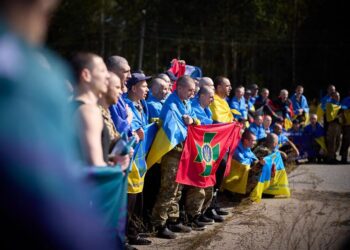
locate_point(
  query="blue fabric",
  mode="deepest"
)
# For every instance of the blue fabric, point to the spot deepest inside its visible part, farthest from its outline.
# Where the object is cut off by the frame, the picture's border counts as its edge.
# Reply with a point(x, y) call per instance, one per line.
point(258, 131)
point(204, 115)
point(171, 115)
point(309, 136)
point(142, 148)
point(326, 99)
point(253, 99)
point(193, 71)
point(345, 103)
point(297, 138)
point(239, 105)
point(119, 116)
point(154, 106)
point(282, 140)
point(45, 202)
point(138, 120)
point(250, 104)
point(244, 155)
point(299, 105)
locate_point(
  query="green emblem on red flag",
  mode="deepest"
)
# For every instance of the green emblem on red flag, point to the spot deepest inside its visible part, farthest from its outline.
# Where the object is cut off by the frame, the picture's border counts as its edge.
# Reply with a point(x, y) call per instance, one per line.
point(207, 153)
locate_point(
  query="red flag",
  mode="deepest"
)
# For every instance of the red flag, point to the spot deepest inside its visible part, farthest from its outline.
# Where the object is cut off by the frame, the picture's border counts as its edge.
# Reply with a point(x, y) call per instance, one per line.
point(204, 149)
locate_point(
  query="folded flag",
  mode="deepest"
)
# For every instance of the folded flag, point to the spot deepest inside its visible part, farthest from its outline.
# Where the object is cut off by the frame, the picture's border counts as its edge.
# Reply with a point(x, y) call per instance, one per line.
point(237, 179)
point(108, 196)
point(136, 176)
point(204, 149)
point(270, 181)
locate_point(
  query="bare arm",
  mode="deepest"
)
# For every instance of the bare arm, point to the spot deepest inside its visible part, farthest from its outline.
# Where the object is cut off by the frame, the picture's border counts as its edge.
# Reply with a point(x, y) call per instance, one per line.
point(294, 147)
point(91, 129)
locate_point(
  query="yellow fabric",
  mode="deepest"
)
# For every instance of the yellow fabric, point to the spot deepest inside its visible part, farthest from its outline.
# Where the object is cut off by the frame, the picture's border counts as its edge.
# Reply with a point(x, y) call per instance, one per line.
point(288, 124)
point(135, 182)
point(237, 179)
point(332, 111)
point(161, 145)
point(346, 120)
point(319, 113)
point(220, 110)
point(322, 142)
point(235, 112)
point(277, 186)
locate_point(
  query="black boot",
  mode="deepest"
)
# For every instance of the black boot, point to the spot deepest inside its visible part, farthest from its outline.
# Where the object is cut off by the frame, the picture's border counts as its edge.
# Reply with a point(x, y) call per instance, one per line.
point(195, 224)
point(204, 219)
point(178, 227)
point(211, 213)
point(220, 211)
point(165, 233)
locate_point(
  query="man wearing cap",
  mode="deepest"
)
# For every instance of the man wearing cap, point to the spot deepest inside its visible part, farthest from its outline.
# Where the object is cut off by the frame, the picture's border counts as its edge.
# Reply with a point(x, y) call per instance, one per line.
point(135, 99)
point(155, 100)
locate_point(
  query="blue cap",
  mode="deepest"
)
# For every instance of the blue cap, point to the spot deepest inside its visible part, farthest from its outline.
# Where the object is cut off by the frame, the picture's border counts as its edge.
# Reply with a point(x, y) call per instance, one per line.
point(171, 75)
point(135, 78)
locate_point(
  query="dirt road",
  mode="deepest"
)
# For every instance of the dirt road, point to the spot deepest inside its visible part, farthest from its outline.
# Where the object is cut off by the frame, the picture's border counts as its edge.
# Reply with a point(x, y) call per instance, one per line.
point(317, 216)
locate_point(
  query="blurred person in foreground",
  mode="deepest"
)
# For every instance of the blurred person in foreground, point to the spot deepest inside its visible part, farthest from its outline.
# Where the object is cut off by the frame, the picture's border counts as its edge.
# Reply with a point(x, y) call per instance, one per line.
point(46, 203)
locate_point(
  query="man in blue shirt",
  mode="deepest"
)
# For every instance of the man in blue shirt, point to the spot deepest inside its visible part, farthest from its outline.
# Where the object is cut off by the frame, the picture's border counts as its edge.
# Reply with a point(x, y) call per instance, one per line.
point(287, 148)
point(121, 114)
point(155, 100)
point(237, 103)
point(257, 128)
point(345, 104)
point(327, 98)
point(200, 105)
point(299, 102)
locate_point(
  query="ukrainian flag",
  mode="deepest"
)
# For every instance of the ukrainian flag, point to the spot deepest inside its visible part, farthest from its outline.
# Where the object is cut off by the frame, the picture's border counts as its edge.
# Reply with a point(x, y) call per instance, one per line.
point(332, 111)
point(136, 176)
point(172, 131)
point(237, 179)
point(274, 185)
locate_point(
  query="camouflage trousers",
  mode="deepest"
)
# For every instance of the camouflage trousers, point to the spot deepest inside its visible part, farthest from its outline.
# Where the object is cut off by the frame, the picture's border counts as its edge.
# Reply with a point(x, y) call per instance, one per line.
point(197, 200)
point(333, 139)
point(167, 203)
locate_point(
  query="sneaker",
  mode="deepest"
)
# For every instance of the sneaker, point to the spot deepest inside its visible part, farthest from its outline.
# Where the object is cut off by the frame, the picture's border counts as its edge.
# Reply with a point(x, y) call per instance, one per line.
point(220, 211)
point(165, 233)
point(211, 213)
point(179, 227)
point(140, 241)
point(196, 224)
point(204, 219)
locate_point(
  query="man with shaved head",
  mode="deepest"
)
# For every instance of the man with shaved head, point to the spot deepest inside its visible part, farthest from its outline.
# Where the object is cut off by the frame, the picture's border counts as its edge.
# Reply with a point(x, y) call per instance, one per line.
point(165, 214)
point(206, 81)
point(120, 112)
point(155, 100)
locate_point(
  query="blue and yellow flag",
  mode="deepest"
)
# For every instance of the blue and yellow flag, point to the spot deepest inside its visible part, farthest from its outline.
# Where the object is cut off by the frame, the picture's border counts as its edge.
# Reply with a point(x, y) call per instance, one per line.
point(237, 179)
point(173, 129)
point(136, 176)
point(272, 182)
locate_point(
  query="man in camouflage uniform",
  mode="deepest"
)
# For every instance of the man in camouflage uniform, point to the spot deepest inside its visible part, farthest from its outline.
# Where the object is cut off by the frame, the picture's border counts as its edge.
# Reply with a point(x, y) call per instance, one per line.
point(165, 214)
point(260, 152)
